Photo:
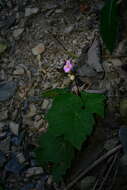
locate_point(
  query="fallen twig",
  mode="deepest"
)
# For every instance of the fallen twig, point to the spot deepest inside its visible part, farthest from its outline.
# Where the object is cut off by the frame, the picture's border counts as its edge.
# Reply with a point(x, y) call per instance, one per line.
point(108, 172)
point(98, 161)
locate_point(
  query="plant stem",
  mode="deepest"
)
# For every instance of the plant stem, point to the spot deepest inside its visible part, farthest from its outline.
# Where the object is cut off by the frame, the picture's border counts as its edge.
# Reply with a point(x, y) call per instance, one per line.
point(79, 93)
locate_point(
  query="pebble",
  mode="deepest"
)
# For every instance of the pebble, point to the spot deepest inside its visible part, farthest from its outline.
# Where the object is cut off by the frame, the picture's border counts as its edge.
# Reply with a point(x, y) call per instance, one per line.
point(40, 48)
point(111, 143)
point(19, 71)
point(3, 115)
point(5, 145)
point(14, 127)
point(17, 33)
point(14, 166)
point(2, 125)
point(30, 11)
point(32, 111)
point(7, 90)
point(69, 29)
point(20, 157)
point(34, 171)
point(87, 182)
point(45, 104)
point(29, 186)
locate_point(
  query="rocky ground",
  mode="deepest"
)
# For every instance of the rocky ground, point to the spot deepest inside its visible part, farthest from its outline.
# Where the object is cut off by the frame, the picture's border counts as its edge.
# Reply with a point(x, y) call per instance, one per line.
point(36, 38)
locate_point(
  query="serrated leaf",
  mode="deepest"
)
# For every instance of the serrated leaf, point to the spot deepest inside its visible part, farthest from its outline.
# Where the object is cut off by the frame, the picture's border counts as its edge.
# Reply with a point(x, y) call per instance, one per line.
point(109, 24)
point(70, 122)
point(94, 103)
point(66, 117)
point(57, 151)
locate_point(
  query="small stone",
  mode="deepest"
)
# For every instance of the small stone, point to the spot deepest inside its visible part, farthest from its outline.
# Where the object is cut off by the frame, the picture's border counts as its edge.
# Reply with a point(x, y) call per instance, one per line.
point(69, 29)
point(2, 159)
point(2, 125)
point(19, 71)
point(14, 166)
point(14, 127)
point(40, 48)
point(17, 33)
point(5, 145)
point(29, 186)
point(20, 157)
point(7, 90)
point(38, 123)
point(32, 111)
point(3, 115)
point(87, 182)
point(34, 171)
point(111, 143)
point(31, 11)
point(3, 47)
point(45, 104)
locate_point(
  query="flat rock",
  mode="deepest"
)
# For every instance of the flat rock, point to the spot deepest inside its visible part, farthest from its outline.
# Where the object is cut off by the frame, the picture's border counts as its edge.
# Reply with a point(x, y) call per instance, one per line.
point(17, 33)
point(40, 48)
point(14, 128)
point(87, 182)
point(31, 11)
point(13, 166)
point(7, 90)
point(3, 115)
point(5, 145)
point(34, 171)
point(94, 56)
point(19, 71)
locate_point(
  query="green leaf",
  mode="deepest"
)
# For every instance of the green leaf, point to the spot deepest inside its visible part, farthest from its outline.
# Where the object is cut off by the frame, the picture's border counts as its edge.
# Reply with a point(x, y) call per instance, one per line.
point(94, 103)
point(57, 151)
point(109, 24)
point(70, 122)
point(66, 117)
point(54, 92)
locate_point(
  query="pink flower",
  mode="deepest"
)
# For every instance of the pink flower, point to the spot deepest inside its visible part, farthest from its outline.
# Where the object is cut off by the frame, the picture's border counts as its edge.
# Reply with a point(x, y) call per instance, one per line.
point(68, 66)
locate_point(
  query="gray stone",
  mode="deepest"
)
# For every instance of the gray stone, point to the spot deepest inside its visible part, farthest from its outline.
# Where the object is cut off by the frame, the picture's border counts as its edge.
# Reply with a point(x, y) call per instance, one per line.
point(94, 55)
point(14, 127)
point(111, 143)
point(17, 33)
point(40, 48)
point(86, 71)
point(7, 90)
point(69, 29)
point(3, 115)
point(5, 145)
point(19, 71)
point(20, 157)
point(87, 182)
point(34, 171)
point(31, 11)
point(45, 104)
point(14, 166)
point(29, 186)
